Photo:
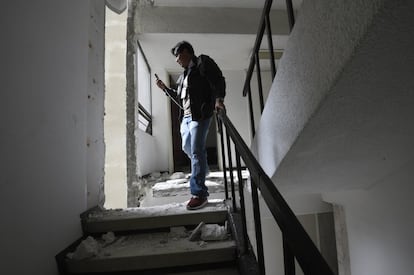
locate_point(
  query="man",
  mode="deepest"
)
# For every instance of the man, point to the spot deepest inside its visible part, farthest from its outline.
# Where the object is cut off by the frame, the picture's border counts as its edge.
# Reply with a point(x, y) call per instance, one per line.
point(201, 90)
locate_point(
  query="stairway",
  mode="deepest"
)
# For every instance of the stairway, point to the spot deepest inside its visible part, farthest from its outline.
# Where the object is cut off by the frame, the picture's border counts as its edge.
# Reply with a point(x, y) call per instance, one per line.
point(153, 240)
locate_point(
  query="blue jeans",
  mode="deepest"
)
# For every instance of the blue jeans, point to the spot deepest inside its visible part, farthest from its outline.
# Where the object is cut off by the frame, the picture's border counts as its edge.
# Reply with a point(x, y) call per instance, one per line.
point(193, 137)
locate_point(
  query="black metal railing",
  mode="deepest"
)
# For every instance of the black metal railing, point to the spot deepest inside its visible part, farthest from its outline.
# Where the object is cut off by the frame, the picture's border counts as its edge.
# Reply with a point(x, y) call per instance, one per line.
point(264, 25)
point(296, 242)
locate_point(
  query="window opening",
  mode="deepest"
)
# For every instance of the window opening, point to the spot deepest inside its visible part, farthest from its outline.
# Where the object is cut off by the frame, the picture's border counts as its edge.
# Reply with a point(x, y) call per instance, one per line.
point(143, 80)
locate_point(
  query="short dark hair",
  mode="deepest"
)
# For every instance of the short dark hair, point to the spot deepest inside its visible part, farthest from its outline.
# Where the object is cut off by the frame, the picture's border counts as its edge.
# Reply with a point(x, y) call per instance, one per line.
point(181, 46)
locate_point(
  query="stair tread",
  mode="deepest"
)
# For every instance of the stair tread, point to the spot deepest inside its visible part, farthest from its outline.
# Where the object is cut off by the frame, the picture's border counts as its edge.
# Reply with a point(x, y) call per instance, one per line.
point(143, 218)
point(154, 250)
point(153, 211)
point(156, 244)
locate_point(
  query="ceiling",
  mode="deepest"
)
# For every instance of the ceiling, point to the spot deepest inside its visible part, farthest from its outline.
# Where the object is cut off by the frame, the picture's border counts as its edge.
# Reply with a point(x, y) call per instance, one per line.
point(224, 29)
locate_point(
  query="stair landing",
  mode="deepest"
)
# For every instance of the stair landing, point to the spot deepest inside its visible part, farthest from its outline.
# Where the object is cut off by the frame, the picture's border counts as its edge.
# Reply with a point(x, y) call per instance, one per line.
point(176, 186)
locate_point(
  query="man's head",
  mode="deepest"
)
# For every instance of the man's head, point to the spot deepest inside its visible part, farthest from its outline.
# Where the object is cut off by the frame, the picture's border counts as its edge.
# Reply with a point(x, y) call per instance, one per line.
point(183, 52)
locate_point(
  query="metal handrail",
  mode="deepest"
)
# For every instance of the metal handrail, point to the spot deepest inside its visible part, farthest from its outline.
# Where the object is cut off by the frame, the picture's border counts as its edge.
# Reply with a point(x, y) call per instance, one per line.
point(264, 25)
point(296, 241)
point(256, 47)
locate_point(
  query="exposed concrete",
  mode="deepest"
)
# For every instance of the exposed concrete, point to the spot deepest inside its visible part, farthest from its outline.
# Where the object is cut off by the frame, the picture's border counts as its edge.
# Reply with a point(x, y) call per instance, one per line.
point(115, 110)
point(132, 173)
point(95, 106)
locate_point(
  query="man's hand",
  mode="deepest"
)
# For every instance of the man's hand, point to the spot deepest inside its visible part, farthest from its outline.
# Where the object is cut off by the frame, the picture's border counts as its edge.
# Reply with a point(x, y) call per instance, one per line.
point(220, 105)
point(159, 83)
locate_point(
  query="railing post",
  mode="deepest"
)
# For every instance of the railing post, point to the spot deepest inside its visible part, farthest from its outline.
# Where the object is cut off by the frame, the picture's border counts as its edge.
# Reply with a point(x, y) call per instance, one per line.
point(258, 227)
point(233, 194)
point(288, 259)
point(252, 126)
point(300, 244)
point(242, 204)
point(270, 43)
point(223, 156)
point(259, 82)
point(291, 15)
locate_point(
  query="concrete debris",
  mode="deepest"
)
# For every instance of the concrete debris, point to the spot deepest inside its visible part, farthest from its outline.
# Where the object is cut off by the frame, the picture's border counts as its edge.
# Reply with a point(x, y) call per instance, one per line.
point(91, 247)
point(86, 249)
point(177, 175)
point(108, 238)
point(213, 232)
point(136, 184)
point(195, 235)
point(209, 232)
point(155, 175)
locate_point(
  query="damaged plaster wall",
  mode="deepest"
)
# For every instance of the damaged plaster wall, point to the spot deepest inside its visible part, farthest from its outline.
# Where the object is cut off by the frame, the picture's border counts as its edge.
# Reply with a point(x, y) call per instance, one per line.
point(145, 153)
point(131, 105)
point(95, 106)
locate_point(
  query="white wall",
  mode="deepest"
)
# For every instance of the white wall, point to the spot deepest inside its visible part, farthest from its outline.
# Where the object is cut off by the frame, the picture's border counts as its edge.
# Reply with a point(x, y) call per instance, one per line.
point(44, 130)
point(236, 110)
point(267, 80)
point(236, 104)
point(159, 145)
point(380, 224)
point(149, 154)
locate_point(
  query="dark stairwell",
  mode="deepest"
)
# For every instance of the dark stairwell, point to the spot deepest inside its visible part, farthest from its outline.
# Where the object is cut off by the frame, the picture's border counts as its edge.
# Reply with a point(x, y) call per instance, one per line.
point(355, 145)
point(151, 240)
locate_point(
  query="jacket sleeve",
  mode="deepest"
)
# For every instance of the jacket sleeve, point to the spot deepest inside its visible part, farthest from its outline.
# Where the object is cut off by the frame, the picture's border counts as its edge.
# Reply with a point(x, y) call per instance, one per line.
point(212, 72)
point(170, 92)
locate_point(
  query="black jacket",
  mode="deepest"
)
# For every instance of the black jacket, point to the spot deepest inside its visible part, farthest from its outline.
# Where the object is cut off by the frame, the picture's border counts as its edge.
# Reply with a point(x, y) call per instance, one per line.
point(205, 84)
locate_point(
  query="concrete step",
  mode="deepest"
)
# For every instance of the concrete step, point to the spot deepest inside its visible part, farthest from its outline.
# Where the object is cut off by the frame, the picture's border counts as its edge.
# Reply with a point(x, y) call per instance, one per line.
point(154, 217)
point(179, 187)
point(148, 251)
